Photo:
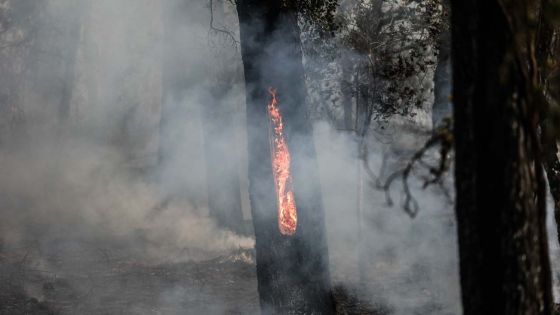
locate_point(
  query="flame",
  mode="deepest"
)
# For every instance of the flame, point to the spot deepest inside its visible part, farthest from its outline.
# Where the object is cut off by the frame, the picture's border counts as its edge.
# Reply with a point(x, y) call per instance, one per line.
point(287, 211)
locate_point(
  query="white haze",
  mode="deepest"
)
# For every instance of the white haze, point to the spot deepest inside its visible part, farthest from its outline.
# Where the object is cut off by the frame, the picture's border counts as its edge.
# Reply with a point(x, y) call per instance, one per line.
point(80, 180)
point(79, 184)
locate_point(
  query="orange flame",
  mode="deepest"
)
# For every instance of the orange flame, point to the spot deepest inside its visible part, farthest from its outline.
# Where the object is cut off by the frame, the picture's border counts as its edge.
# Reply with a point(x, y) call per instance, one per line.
point(287, 211)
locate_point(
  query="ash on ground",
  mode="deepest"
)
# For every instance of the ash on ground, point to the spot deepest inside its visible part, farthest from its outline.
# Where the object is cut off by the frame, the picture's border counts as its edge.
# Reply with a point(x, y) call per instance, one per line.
point(97, 281)
point(85, 279)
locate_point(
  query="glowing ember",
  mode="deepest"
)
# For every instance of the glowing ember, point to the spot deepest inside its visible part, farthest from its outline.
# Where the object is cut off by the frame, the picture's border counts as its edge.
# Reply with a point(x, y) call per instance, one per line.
point(287, 211)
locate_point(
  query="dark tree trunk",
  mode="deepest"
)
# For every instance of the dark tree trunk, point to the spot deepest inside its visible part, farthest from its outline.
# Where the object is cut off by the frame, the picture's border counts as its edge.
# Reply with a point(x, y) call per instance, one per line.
point(548, 50)
point(348, 93)
point(552, 167)
point(293, 273)
point(501, 210)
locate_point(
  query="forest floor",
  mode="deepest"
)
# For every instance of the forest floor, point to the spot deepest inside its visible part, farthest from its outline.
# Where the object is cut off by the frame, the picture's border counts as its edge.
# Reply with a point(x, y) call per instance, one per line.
point(95, 282)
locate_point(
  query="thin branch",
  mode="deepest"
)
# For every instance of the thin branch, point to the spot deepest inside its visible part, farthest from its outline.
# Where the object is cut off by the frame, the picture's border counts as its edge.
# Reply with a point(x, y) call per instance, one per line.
point(220, 30)
point(443, 137)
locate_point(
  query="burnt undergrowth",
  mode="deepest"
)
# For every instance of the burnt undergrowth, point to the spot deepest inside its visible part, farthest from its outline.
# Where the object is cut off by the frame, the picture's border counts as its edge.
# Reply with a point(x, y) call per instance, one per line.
point(98, 281)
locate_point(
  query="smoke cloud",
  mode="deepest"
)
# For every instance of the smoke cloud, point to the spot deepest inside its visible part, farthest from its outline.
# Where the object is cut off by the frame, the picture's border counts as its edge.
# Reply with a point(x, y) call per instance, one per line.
point(113, 198)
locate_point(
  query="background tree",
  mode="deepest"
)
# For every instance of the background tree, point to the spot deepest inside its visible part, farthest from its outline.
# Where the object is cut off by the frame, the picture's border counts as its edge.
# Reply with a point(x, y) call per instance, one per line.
point(51, 62)
point(219, 125)
point(442, 75)
point(18, 31)
point(74, 28)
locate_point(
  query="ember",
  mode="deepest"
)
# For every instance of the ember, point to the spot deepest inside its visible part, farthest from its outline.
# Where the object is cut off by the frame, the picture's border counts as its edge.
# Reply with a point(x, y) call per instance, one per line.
point(287, 211)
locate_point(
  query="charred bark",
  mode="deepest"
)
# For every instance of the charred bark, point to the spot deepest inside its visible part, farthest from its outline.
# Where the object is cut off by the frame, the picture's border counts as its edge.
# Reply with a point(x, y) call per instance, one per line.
point(552, 167)
point(548, 50)
point(293, 272)
point(501, 211)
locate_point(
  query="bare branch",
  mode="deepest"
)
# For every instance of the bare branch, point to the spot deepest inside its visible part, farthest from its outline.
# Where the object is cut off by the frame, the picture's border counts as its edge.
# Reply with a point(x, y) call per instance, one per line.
point(442, 136)
point(228, 34)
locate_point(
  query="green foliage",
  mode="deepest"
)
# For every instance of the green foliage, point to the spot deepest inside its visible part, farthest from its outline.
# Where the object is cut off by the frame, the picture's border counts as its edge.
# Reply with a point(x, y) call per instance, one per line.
point(322, 13)
point(394, 39)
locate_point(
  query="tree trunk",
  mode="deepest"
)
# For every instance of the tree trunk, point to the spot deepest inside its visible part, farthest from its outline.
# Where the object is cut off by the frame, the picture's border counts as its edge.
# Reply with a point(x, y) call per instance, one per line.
point(347, 92)
point(74, 32)
point(224, 193)
point(442, 75)
point(548, 51)
point(293, 273)
point(501, 211)
point(552, 167)
point(50, 65)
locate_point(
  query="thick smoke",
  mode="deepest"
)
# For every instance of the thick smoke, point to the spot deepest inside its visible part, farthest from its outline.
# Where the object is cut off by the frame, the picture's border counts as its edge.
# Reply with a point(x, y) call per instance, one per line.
point(122, 177)
point(117, 184)
point(94, 176)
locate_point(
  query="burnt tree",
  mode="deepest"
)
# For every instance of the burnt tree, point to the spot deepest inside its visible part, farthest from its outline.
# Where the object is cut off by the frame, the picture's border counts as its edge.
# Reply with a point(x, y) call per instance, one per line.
point(293, 272)
point(548, 51)
point(501, 210)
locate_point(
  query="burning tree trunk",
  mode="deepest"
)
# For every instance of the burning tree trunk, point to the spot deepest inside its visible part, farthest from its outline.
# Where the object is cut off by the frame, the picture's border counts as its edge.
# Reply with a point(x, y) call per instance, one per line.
point(501, 210)
point(292, 258)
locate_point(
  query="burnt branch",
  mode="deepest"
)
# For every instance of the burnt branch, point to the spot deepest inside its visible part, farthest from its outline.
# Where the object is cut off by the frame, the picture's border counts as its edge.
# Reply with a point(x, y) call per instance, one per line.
point(442, 137)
